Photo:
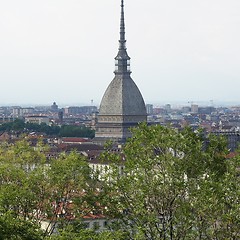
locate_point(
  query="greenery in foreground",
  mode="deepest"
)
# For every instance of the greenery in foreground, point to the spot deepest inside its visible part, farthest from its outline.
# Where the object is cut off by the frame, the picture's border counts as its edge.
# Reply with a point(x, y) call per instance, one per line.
point(63, 131)
point(172, 187)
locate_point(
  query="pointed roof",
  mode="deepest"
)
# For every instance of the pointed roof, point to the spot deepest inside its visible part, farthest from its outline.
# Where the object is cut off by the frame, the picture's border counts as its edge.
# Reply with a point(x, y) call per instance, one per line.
point(122, 40)
point(122, 60)
point(122, 96)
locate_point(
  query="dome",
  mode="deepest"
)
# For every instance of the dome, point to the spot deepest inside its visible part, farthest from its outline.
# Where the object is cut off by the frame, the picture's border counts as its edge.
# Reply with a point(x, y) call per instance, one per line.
point(122, 97)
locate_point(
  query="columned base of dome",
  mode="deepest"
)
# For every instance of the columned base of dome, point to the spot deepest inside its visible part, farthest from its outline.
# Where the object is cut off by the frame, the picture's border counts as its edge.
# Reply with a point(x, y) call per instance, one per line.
point(117, 132)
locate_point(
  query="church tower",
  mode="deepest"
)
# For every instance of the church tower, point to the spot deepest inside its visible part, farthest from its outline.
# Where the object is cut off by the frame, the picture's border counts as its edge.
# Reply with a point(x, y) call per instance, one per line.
point(122, 105)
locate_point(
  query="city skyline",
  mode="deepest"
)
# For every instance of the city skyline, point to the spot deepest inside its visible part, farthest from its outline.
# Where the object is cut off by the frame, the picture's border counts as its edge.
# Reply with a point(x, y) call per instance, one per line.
point(64, 51)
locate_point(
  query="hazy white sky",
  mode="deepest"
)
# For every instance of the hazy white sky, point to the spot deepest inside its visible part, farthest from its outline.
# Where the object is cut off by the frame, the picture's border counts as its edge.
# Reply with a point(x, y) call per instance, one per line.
point(63, 50)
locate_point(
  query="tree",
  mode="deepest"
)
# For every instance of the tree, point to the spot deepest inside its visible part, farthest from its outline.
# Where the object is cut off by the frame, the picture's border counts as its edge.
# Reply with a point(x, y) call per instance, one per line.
point(63, 131)
point(12, 228)
point(21, 176)
point(173, 186)
point(34, 189)
point(76, 131)
point(76, 231)
point(165, 184)
point(16, 125)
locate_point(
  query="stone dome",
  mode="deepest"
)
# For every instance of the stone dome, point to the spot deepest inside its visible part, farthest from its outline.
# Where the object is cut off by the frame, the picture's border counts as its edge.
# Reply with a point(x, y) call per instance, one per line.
point(122, 97)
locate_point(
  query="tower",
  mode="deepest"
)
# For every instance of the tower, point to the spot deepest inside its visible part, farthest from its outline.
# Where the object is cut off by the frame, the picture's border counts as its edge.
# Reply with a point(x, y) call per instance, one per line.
point(122, 105)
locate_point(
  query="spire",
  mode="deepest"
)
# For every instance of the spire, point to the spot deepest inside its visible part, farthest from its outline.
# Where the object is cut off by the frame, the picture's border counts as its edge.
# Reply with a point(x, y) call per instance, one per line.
point(122, 60)
point(122, 41)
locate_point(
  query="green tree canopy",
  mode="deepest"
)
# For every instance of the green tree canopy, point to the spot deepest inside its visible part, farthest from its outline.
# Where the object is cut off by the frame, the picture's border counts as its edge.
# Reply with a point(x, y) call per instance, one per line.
point(76, 131)
point(164, 184)
point(18, 125)
point(173, 186)
point(34, 189)
point(12, 228)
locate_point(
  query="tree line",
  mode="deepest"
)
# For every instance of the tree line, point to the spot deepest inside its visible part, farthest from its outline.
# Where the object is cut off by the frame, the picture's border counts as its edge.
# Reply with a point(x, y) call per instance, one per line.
point(164, 184)
point(62, 131)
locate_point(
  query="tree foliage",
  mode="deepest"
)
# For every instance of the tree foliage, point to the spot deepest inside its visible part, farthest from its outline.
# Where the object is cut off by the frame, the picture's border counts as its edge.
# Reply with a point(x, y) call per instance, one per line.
point(12, 228)
point(34, 189)
point(18, 125)
point(76, 131)
point(173, 187)
point(164, 184)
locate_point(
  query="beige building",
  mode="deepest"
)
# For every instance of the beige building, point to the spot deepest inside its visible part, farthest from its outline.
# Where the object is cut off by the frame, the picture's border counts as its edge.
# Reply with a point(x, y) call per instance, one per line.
point(37, 119)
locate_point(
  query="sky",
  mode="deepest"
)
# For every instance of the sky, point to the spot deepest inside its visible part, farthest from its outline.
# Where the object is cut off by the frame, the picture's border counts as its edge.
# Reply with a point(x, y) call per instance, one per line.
point(63, 50)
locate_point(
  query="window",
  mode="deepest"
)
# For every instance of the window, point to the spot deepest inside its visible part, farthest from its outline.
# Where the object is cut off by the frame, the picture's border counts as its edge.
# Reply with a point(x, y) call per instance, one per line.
point(105, 224)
